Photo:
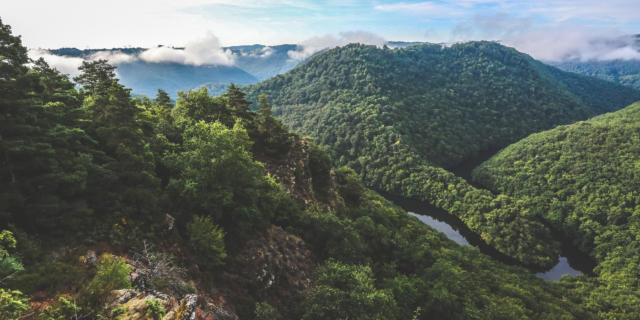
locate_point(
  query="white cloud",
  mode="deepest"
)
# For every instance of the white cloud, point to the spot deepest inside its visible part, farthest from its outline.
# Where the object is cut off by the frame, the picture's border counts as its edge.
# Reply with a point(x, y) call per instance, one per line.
point(66, 65)
point(114, 57)
point(204, 51)
point(550, 42)
point(308, 47)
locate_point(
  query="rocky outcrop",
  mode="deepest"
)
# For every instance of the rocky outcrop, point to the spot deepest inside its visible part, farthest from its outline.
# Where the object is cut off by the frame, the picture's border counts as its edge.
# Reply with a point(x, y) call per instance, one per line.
point(131, 304)
point(275, 267)
point(292, 171)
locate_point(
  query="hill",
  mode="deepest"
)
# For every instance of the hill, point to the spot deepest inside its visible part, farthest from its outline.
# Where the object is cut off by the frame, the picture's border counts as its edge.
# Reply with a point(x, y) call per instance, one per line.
point(584, 180)
point(113, 207)
point(400, 116)
point(624, 72)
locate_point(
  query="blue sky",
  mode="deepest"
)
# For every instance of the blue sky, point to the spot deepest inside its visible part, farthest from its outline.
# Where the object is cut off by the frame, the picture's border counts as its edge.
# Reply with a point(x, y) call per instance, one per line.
point(116, 23)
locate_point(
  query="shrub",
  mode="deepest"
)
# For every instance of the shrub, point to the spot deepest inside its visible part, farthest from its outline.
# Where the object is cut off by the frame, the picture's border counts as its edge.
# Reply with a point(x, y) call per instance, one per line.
point(64, 309)
point(12, 303)
point(207, 240)
point(265, 311)
point(155, 310)
point(113, 273)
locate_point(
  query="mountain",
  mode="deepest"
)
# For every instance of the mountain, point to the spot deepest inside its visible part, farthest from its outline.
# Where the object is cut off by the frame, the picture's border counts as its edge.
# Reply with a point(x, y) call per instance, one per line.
point(146, 78)
point(584, 179)
point(400, 117)
point(252, 64)
point(119, 208)
point(624, 72)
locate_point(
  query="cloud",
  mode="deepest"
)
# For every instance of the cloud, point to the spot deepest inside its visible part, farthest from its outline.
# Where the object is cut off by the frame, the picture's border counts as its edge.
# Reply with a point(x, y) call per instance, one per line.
point(114, 57)
point(308, 47)
point(422, 8)
point(69, 65)
point(558, 41)
point(204, 51)
point(66, 65)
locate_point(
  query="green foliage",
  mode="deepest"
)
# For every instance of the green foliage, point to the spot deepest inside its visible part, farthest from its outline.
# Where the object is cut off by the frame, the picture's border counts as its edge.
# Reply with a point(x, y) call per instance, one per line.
point(155, 310)
point(115, 313)
point(320, 167)
point(217, 177)
point(398, 116)
point(112, 274)
point(625, 72)
point(273, 139)
point(9, 264)
point(264, 311)
point(64, 309)
point(347, 292)
point(349, 185)
point(584, 180)
point(207, 240)
point(12, 303)
point(421, 269)
point(50, 276)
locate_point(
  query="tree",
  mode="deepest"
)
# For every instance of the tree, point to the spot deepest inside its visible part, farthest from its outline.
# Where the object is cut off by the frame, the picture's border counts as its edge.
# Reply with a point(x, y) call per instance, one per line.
point(347, 292)
point(207, 240)
point(96, 76)
point(127, 154)
point(273, 137)
point(162, 99)
point(217, 177)
point(237, 102)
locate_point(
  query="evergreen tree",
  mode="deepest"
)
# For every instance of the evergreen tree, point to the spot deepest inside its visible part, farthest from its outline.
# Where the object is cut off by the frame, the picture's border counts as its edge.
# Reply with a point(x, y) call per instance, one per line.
point(273, 137)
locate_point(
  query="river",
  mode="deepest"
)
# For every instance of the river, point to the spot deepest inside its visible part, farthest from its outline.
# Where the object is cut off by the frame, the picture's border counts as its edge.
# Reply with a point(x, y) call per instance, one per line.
point(457, 231)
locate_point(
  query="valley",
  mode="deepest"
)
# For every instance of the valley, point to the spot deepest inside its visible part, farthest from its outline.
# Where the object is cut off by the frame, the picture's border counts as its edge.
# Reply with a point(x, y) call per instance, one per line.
point(329, 179)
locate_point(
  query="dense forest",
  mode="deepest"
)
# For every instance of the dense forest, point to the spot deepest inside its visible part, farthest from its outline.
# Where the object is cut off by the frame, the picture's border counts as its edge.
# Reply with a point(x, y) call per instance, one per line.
point(625, 72)
point(584, 179)
point(113, 207)
point(401, 117)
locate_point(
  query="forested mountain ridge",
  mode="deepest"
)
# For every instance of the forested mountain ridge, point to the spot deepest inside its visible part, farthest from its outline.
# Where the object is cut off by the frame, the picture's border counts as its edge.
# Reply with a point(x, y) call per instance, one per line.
point(584, 179)
point(113, 207)
point(470, 84)
point(398, 116)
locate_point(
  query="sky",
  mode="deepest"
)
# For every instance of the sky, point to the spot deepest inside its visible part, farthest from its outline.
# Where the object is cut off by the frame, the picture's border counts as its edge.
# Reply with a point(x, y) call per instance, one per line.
point(546, 29)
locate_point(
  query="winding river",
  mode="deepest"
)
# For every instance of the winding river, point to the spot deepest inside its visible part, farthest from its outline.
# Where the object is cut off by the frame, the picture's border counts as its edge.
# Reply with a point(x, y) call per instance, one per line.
point(570, 263)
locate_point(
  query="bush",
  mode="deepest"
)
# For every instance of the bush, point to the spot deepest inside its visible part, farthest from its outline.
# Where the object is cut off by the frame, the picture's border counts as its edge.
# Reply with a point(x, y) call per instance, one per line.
point(207, 240)
point(155, 310)
point(63, 310)
point(113, 273)
point(265, 311)
point(12, 303)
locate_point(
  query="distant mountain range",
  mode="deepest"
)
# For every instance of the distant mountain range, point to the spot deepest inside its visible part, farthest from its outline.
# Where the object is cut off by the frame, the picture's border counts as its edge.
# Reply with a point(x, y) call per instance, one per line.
point(254, 63)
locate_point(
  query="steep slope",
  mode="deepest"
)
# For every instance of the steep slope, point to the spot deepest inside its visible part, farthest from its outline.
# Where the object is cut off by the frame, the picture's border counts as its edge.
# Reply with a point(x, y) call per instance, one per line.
point(398, 116)
point(584, 179)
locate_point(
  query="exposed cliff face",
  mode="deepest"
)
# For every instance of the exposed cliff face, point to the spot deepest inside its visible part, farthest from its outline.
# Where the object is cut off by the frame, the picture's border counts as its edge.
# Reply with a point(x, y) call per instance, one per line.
point(275, 267)
point(293, 172)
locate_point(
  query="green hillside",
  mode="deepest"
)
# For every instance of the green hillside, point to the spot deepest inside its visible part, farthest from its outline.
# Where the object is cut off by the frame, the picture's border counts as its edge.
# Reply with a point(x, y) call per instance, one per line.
point(624, 72)
point(399, 116)
point(113, 207)
point(584, 179)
